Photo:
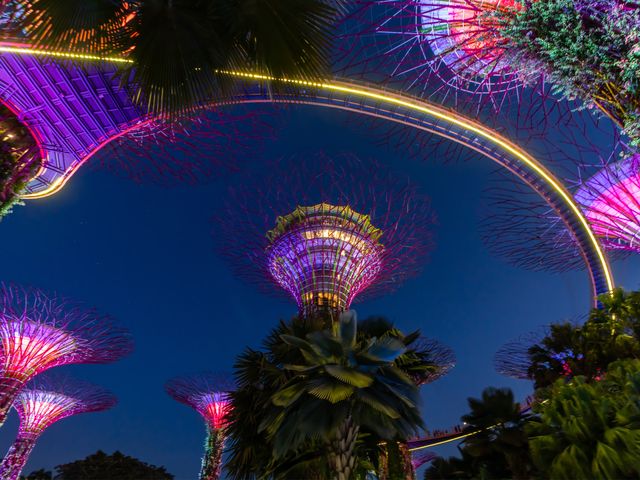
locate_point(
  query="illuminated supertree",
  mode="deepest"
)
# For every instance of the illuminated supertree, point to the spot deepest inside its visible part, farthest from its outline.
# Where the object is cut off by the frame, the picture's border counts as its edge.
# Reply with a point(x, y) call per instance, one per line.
point(418, 459)
point(457, 41)
point(208, 395)
point(433, 353)
point(42, 403)
point(610, 200)
point(59, 112)
point(38, 332)
point(325, 230)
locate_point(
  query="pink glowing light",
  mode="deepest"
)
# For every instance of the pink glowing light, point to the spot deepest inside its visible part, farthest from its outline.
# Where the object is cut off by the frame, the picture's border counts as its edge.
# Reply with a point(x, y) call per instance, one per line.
point(215, 407)
point(611, 201)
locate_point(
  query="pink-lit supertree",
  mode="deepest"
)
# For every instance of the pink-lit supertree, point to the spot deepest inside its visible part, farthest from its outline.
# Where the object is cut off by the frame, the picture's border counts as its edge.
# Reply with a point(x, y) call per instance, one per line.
point(324, 230)
point(457, 42)
point(38, 332)
point(610, 200)
point(42, 403)
point(207, 394)
point(432, 352)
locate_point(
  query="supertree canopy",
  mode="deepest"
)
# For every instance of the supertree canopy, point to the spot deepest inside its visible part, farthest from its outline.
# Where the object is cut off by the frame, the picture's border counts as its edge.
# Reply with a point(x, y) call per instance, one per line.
point(208, 395)
point(457, 41)
point(42, 403)
point(610, 200)
point(38, 332)
point(325, 230)
point(434, 353)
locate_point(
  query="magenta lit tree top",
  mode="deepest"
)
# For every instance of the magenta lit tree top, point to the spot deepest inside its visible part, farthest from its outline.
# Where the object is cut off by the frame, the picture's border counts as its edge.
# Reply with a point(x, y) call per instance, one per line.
point(325, 230)
point(42, 403)
point(39, 332)
point(45, 401)
point(207, 393)
point(611, 202)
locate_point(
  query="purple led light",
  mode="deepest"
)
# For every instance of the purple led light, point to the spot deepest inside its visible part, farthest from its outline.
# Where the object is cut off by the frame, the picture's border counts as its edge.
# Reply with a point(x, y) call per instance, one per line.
point(611, 202)
point(324, 255)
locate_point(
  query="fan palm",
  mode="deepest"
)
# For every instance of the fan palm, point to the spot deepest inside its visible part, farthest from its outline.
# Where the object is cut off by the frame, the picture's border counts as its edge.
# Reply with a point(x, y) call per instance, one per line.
point(499, 422)
point(260, 374)
point(590, 430)
point(179, 47)
point(340, 386)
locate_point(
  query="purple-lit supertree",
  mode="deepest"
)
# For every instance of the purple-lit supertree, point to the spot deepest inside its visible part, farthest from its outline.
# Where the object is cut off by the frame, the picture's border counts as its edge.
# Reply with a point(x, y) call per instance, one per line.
point(432, 352)
point(38, 332)
point(326, 230)
point(42, 403)
point(610, 200)
point(418, 459)
point(207, 394)
point(456, 41)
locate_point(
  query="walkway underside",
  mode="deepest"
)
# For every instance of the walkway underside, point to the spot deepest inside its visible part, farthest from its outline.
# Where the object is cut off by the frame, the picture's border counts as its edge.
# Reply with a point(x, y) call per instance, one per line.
point(75, 110)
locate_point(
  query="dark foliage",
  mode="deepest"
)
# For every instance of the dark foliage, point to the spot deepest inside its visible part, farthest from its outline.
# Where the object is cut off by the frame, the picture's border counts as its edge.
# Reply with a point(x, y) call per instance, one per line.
point(116, 466)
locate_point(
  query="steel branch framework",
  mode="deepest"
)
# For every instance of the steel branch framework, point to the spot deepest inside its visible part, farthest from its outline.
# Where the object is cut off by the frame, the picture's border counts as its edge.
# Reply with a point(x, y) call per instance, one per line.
point(38, 332)
point(207, 393)
point(42, 403)
point(405, 110)
point(611, 202)
point(325, 230)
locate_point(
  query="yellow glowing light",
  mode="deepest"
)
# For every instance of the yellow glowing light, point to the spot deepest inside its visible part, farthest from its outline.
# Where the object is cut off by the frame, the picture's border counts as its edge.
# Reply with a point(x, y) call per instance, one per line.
point(12, 48)
point(392, 99)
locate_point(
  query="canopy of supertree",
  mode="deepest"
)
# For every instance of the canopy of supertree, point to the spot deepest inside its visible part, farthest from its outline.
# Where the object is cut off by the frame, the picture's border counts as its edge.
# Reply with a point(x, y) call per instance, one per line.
point(207, 393)
point(324, 255)
point(434, 353)
point(611, 202)
point(466, 39)
point(325, 230)
point(38, 332)
point(44, 402)
point(457, 41)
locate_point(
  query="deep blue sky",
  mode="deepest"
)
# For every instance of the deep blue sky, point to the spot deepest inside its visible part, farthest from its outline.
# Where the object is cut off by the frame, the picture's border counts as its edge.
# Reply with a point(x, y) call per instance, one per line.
point(145, 255)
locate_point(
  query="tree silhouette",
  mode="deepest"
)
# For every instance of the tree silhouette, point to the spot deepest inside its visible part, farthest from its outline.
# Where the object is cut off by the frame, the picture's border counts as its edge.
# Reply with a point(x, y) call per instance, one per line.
point(101, 466)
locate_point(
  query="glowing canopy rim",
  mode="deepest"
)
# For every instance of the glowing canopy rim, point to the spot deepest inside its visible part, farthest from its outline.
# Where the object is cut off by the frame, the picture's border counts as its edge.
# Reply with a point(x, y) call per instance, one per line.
point(420, 114)
point(324, 255)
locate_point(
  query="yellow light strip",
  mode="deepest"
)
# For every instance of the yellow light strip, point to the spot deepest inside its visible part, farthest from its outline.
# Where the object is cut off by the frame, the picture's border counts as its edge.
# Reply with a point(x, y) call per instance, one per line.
point(469, 125)
point(68, 55)
point(448, 440)
point(395, 99)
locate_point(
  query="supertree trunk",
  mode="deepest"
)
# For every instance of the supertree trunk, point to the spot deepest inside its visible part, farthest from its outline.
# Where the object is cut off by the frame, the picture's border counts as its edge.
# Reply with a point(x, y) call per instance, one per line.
point(405, 460)
point(212, 461)
point(9, 388)
point(341, 458)
point(16, 458)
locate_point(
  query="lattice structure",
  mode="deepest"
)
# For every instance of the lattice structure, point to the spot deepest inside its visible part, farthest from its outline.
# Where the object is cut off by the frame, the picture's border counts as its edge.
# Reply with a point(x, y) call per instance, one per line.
point(324, 255)
point(610, 200)
point(436, 354)
point(38, 332)
point(456, 43)
point(207, 394)
point(43, 403)
point(326, 230)
point(421, 458)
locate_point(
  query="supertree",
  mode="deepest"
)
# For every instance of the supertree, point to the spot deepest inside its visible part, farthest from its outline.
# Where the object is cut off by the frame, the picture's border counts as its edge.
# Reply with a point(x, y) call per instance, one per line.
point(456, 41)
point(42, 403)
point(207, 394)
point(418, 459)
point(39, 332)
point(432, 352)
point(610, 200)
point(326, 230)
point(63, 109)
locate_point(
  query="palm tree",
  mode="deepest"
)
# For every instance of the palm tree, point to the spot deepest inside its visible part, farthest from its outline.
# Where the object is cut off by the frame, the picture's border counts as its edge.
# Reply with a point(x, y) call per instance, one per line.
point(180, 47)
point(499, 421)
point(590, 430)
point(340, 386)
point(261, 374)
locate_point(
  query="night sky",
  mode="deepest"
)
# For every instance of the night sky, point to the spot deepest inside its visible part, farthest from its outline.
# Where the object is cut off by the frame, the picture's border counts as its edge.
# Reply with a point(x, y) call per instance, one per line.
point(145, 255)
